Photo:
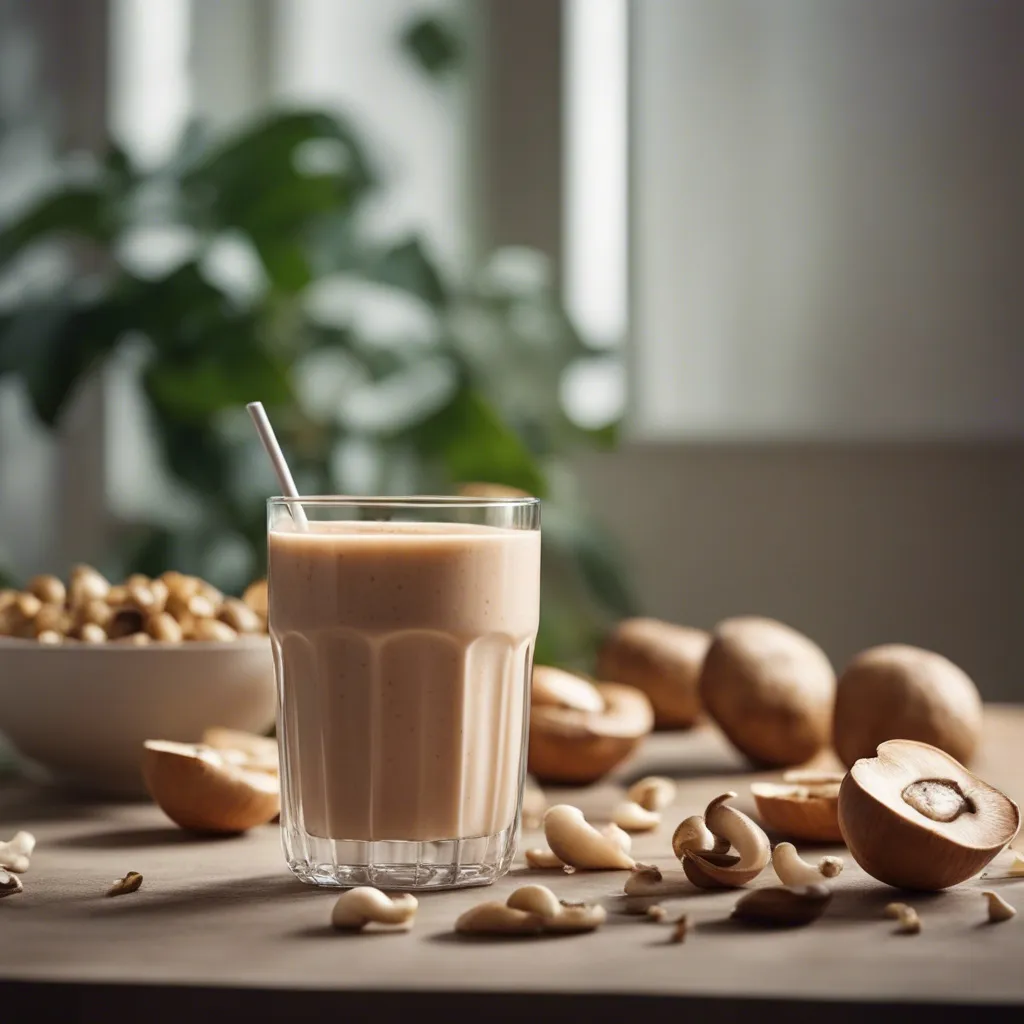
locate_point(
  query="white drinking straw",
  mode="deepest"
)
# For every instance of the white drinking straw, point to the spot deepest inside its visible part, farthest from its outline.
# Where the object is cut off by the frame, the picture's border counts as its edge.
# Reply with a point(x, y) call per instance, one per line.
point(273, 450)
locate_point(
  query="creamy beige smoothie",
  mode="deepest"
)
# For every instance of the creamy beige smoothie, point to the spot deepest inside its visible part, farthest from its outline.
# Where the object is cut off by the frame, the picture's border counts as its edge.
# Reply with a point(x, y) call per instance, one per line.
point(404, 651)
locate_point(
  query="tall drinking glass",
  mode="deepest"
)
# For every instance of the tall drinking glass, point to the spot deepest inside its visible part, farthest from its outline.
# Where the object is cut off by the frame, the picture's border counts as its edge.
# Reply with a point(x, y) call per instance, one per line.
point(403, 633)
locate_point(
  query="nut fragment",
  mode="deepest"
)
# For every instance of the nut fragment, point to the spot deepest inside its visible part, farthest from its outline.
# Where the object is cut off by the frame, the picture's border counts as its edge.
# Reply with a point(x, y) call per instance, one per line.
point(654, 793)
point(578, 844)
point(751, 844)
point(131, 882)
point(15, 853)
point(681, 928)
point(542, 859)
point(782, 907)
point(50, 636)
point(649, 880)
point(831, 867)
point(908, 923)
point(656, 912)
point(9, 884)
point(998, 908)
point(634, 818)
point(1016, 867)
point(364, 905)
point(794, 871)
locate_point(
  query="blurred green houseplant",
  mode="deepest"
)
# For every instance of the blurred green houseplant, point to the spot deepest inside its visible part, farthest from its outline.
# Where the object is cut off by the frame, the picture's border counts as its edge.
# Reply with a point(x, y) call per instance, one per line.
point(465, 387)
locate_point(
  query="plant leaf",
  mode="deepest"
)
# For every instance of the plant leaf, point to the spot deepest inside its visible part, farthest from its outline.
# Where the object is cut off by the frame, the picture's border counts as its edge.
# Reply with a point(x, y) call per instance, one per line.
point(474, 444)
point(407, 266)
point(433, 44)
point(53, 347)
point(75, 211)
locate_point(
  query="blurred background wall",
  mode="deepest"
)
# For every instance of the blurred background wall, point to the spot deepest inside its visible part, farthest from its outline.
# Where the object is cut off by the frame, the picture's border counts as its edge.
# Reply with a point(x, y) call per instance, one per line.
point(792, 229)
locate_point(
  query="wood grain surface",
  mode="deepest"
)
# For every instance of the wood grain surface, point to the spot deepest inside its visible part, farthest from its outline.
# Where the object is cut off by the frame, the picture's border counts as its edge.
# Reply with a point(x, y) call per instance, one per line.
point(221, 923)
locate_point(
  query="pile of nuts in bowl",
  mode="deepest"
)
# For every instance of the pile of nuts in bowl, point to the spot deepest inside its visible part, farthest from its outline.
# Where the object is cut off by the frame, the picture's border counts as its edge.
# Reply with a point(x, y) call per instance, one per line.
point(169, 608)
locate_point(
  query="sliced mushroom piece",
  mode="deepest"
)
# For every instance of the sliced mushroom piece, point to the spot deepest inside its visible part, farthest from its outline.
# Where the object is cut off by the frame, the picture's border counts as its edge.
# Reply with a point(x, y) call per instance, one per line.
point(803, 806)
point(750, 843)
point(782, 907)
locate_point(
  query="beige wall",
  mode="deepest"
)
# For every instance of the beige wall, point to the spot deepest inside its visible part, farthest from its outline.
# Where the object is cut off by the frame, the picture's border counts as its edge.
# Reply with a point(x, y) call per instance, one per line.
point(854, 545)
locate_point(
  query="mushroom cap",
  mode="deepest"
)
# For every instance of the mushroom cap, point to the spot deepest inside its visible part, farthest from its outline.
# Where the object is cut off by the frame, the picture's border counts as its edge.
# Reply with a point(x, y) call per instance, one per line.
point(900, 692)
point(661, 659)
point(770, 689)
point(893, 841)
point(576, 747)
point(198, 789)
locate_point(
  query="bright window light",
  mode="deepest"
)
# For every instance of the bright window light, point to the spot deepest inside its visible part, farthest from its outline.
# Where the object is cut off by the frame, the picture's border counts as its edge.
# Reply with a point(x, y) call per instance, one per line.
point(595, 182)
point(149, 75)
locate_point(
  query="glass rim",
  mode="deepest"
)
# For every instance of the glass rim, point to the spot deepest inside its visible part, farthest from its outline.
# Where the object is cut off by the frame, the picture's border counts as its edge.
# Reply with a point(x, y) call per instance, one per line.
point(407, 501)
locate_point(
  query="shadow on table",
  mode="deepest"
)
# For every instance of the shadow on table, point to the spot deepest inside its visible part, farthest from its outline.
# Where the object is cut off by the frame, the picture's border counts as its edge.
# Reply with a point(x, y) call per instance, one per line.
point(140, 838)
point(24, 803)
point(202, 897)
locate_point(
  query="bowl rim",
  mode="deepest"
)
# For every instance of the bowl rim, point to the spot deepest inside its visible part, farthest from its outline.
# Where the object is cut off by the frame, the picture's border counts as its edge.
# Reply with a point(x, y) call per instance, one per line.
point(246, 640)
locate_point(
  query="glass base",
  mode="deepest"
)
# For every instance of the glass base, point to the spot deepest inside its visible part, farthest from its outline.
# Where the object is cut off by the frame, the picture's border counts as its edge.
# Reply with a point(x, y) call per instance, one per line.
point(409, 866)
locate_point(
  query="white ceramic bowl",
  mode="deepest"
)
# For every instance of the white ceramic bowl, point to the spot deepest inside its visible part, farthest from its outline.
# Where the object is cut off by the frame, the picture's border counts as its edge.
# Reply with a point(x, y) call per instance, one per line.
point(82, 711)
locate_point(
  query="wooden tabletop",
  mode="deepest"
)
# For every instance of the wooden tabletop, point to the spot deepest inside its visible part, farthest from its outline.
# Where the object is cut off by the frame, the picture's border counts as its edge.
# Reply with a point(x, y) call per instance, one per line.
point(220, 924)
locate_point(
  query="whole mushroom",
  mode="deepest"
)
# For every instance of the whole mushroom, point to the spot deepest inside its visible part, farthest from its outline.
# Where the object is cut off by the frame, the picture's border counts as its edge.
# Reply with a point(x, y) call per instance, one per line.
point(662, 659)
point(900, 692)
point(770, 689)
point(579, 731)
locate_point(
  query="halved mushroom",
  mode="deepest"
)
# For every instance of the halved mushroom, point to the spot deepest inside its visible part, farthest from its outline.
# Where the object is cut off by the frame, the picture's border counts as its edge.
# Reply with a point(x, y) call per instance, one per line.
point(805, 805)
point(915, 818)
point(592, 729)
point(250, 749)
point(717, 870)
point(203, 790)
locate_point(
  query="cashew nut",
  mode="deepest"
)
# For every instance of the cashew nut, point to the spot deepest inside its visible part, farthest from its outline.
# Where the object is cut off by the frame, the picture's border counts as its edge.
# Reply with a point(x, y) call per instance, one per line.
point(794, 871)
point(535, 899)
point(364, 905)
point(998, 908)
point(751, 844)
point(131, 882)
point(49, 589)
point(210, 629)
point(654, 793)
point(497, 918)
point(906, 916)
point(622, 839)
point(578, 844)
point(15, 854)
point(542, 859)
point(540, 902)
point(634, 818)
point(693, 834)
point(9, 884)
